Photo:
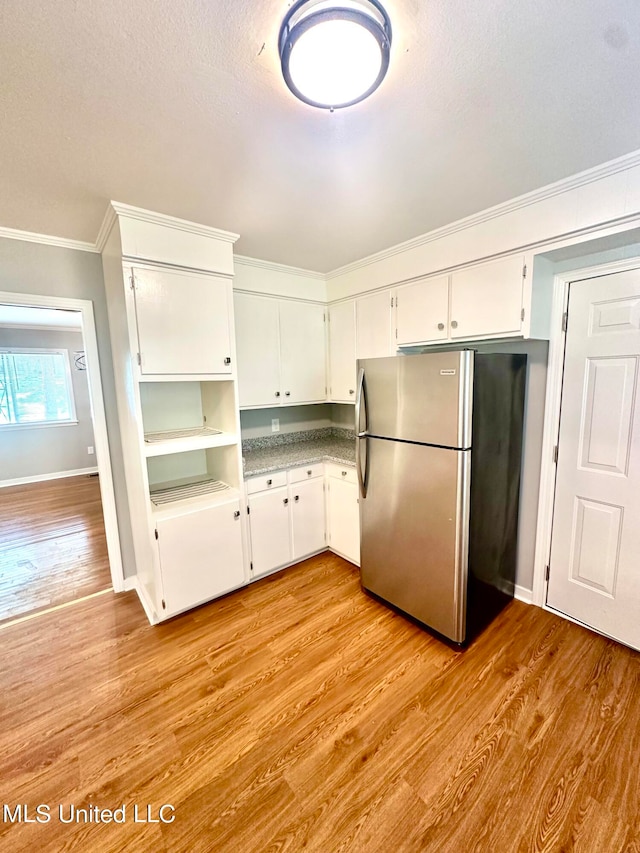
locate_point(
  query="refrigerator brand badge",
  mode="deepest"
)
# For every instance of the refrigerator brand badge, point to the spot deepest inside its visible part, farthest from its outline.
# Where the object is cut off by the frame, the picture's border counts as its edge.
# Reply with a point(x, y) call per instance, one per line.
point(447, 373)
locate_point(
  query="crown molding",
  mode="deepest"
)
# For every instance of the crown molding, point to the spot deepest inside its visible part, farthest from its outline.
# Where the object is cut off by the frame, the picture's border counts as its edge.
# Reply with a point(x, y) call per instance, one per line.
point(139, 213)
point(47, 240)
point(589, 176)
point(246, 261)
point(106, 225)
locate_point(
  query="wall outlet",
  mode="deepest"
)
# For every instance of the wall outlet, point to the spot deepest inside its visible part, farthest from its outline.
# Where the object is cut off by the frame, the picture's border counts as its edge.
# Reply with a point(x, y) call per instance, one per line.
point(90, 450)
point(275, 424)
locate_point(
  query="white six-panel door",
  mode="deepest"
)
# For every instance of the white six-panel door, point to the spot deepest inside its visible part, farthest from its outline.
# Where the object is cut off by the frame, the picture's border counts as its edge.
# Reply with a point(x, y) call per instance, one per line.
point(595, 551)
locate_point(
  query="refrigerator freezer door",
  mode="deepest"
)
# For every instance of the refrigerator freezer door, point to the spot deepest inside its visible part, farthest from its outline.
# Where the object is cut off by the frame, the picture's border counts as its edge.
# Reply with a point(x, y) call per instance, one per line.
point(421, 398)
point(414, 531)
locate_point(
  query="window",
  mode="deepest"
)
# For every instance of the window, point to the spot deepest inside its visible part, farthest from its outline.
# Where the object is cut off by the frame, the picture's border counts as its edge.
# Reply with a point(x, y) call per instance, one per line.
point(35, 387)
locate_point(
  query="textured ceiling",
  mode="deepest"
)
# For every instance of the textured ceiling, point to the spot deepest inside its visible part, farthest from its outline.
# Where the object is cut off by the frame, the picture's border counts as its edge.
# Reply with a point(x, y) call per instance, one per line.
point(179, 107)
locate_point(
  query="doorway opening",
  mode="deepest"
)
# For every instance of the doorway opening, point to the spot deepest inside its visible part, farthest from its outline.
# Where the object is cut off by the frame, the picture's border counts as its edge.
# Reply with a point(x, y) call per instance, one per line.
point(58, 530)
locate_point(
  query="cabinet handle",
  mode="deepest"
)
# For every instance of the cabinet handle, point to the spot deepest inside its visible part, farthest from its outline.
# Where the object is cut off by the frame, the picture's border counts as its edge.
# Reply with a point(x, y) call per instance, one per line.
point(269, 482)
point(236, 514)
point(297, 498)
point(287, 393)
point(441, 326)
point(285, 501)
point(352, 390)
point(227, 360)
point(454, 324)
point(277, 394)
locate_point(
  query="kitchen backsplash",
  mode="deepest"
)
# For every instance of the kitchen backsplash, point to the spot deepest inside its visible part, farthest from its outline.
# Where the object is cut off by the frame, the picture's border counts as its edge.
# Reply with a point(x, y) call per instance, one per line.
point(276, 439)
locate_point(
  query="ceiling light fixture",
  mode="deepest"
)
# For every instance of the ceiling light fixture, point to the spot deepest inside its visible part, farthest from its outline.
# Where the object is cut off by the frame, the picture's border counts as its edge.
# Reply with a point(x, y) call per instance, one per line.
point(334, 55)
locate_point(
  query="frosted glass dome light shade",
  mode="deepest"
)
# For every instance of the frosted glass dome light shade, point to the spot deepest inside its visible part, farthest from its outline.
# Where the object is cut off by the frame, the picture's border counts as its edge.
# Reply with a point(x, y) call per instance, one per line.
point(334, 56)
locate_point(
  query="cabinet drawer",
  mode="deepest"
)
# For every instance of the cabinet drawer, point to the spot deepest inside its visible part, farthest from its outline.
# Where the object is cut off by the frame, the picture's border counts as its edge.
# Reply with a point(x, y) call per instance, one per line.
point(266, 481)
point(343, 472)
point(306, 472)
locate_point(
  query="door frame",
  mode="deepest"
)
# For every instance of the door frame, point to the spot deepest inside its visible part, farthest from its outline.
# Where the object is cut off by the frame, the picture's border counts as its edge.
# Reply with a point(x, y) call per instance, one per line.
point(101, 438)
point(551, 429)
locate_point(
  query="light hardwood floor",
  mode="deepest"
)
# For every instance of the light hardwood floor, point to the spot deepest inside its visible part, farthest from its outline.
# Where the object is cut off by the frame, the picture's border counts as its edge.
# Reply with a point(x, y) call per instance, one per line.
point(299, 714)
point(52, 544)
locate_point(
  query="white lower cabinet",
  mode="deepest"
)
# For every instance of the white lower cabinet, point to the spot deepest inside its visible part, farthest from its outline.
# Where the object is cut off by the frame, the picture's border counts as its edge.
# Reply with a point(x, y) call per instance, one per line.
point(270, 525)
point(308, 520)
point(200, 553)
point(287, 519)
point(343, 512)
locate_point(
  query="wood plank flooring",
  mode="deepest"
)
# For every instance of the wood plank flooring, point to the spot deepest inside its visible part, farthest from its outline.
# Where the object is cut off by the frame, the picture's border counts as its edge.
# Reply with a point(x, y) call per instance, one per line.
point(299, 714)
point(52, 544)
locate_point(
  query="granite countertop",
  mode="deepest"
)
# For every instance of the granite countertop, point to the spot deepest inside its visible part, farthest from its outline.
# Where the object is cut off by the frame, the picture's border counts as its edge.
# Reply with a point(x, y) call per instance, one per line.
point(261, 456)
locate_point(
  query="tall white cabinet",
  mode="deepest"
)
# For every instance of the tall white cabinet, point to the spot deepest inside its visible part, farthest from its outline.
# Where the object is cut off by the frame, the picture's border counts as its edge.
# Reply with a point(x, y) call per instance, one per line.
point(169, 298)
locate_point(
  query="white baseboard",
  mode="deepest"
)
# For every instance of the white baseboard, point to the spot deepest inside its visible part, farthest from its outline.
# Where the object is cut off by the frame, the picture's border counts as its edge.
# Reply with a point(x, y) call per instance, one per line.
point(523, 594)
point(40, 478)
point(132, 583)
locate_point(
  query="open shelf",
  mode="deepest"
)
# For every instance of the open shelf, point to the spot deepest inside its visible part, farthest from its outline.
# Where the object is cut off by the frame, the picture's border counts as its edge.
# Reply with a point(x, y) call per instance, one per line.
point(170, 434)
point(180, 491)
point(164, 442)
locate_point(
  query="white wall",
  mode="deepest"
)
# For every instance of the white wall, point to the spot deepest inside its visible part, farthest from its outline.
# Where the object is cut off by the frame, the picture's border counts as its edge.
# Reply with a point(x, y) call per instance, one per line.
point(277, 280)
point(35, 268)
point(606, 198)
point(27, 452)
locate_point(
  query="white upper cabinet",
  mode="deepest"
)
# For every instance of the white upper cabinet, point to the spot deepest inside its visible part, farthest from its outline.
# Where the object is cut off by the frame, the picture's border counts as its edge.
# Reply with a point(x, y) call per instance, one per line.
point(258, 350)
point(303, 370)
point(183, 322)
point(373, 326)
point(422, 311)
point(281, 351)
point(487, 299)
point(342, 352)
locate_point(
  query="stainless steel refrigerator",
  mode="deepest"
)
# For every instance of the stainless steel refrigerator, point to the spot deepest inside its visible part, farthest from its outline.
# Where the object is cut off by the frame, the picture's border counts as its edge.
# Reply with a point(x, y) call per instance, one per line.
point(439, 443)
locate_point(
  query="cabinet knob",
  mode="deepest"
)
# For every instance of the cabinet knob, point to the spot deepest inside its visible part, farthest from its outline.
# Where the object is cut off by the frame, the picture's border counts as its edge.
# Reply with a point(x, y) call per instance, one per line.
point(344, 473)
point(227, 360)
point(236, 514)
point(297, 498)
point(454, 324)
point(285, 501)
point(269, 482)
point(441, 326)
point(309, 473)
point(287, 393)
point(277, 394)
point(351, 391)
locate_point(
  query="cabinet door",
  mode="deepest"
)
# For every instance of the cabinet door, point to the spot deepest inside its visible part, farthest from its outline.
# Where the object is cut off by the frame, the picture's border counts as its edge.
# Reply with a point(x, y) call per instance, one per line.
point(487, 300)
point(257, 348)
point(270, 530)
point(200, 556)
point(422, 311)
point(308, 517)
point(183, 322)
point(342, 351)
point(302, 352)
point(373, 326)
point(344, 519)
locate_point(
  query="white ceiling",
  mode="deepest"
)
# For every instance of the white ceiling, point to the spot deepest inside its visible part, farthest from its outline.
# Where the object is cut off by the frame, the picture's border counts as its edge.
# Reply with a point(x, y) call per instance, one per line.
point(180, 107)
point(17, 315)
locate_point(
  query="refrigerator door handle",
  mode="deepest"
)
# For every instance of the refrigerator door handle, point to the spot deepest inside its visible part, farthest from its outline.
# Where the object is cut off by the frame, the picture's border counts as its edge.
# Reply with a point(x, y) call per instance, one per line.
point(361, 406)
point(362, 474)
point(361, 434)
